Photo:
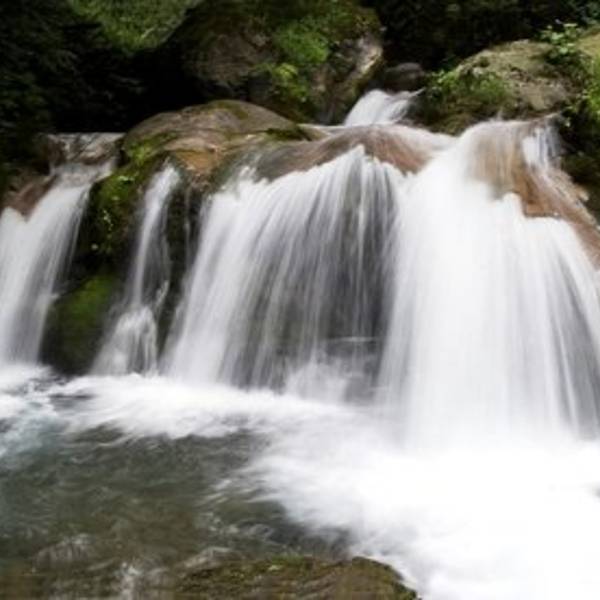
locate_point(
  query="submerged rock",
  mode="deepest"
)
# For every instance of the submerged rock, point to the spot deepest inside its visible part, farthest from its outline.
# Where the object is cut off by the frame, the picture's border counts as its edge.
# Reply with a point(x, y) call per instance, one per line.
point(297, 577)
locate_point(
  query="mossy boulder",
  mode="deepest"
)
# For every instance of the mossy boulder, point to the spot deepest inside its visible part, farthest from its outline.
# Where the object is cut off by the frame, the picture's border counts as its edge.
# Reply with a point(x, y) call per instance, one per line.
point(75, 323)
point(511, 80)
point(297, 577)
point(201, 142)
point(307, 59)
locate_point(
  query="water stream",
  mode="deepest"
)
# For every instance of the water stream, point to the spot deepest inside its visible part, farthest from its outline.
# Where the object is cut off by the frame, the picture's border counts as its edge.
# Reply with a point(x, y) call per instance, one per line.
point(34, 252)
point(371, 361)
point(131, 344)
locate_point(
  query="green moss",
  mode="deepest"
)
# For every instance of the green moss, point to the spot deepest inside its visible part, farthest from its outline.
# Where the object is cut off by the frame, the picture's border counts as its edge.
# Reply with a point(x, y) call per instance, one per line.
point(302, 43)
point(112, 207)
point(75, 324)
point(283, 44)
point(143, 150)
point(455, 99)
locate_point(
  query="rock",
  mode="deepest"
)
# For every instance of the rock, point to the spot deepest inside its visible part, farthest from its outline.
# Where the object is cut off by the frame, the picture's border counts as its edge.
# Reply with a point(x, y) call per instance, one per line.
point(201, 142)
point(306, 60)
point(75, 323)
point(25, 188)
point(510, 81)
point(407, 77)
point(83, 148)
point(297, 577)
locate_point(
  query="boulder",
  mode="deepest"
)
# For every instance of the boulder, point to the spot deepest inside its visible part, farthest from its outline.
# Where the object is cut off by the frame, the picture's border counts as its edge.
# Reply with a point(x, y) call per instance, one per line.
point(202, 142)
point(405, 77)
point(513, 80)
point(297, 577)
point(307, 60)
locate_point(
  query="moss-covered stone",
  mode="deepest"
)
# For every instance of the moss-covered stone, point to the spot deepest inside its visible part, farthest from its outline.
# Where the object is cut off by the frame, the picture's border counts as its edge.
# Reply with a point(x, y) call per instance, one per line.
point(75, 323)
point(297, 577)
point(201, 142)
point(113, 202)
point(512, 80)
point(306, 58)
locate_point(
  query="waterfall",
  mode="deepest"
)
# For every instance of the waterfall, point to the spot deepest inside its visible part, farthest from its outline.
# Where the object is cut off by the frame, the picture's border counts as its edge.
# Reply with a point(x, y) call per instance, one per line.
point(378, 106)
point(494, 311)
point(495, 333)
point(132, 342)
point(34, 251)
point(421, 314)
point(289, 281)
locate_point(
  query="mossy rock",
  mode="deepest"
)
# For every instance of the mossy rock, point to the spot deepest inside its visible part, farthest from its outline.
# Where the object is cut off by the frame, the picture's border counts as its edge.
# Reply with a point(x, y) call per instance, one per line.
point(204, 140)
point(201, 142)
point(296, 577)
point(308, 59)
point(513, 80)
point(75, 324)
point(110, 218)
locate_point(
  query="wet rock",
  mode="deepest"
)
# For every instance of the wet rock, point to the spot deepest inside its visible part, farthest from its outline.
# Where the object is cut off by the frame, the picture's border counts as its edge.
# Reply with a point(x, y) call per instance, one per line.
point(82, 148)
point(202, 142)
point(25, 189)
point(404, 77)
point(297, 577)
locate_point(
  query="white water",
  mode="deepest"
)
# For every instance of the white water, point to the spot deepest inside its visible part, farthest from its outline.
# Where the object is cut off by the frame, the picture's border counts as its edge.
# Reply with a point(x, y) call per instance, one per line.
point(472, 475)
point(34, 252)
point(132, 341)
point(288, 286)
point(496, 326)
point(469, 460)
point(380, 107)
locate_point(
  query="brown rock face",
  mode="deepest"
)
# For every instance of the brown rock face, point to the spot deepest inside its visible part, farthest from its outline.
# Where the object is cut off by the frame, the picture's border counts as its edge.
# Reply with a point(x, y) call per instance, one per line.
point(500, 158)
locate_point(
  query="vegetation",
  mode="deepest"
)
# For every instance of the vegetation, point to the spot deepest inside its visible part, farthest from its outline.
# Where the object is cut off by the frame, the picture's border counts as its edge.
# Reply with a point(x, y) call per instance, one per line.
point(437, 32)
point(59, 72)
point(136, 24)
point(473, 95)
point(279, 52)
point(113, 205)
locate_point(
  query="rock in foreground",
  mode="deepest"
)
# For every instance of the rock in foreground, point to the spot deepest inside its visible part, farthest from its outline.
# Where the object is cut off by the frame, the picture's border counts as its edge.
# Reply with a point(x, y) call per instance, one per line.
point(297, 577)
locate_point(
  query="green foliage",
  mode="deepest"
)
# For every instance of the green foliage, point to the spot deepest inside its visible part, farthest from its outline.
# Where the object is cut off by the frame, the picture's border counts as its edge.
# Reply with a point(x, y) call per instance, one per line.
point(135, 24)
point(563, 45)
point(436, 32)
point(454, 98)
point(302, 43)
point(289, 83)
point(307, 38)
point(58, 72)
point(591, 94)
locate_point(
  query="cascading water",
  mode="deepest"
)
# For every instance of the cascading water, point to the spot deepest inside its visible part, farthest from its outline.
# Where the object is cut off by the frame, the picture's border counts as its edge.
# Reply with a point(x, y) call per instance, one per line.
point(495, 332)
point(290, 277)
point(381, 107)
point(34, 251)
point(132, 343)
point(426, 314)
